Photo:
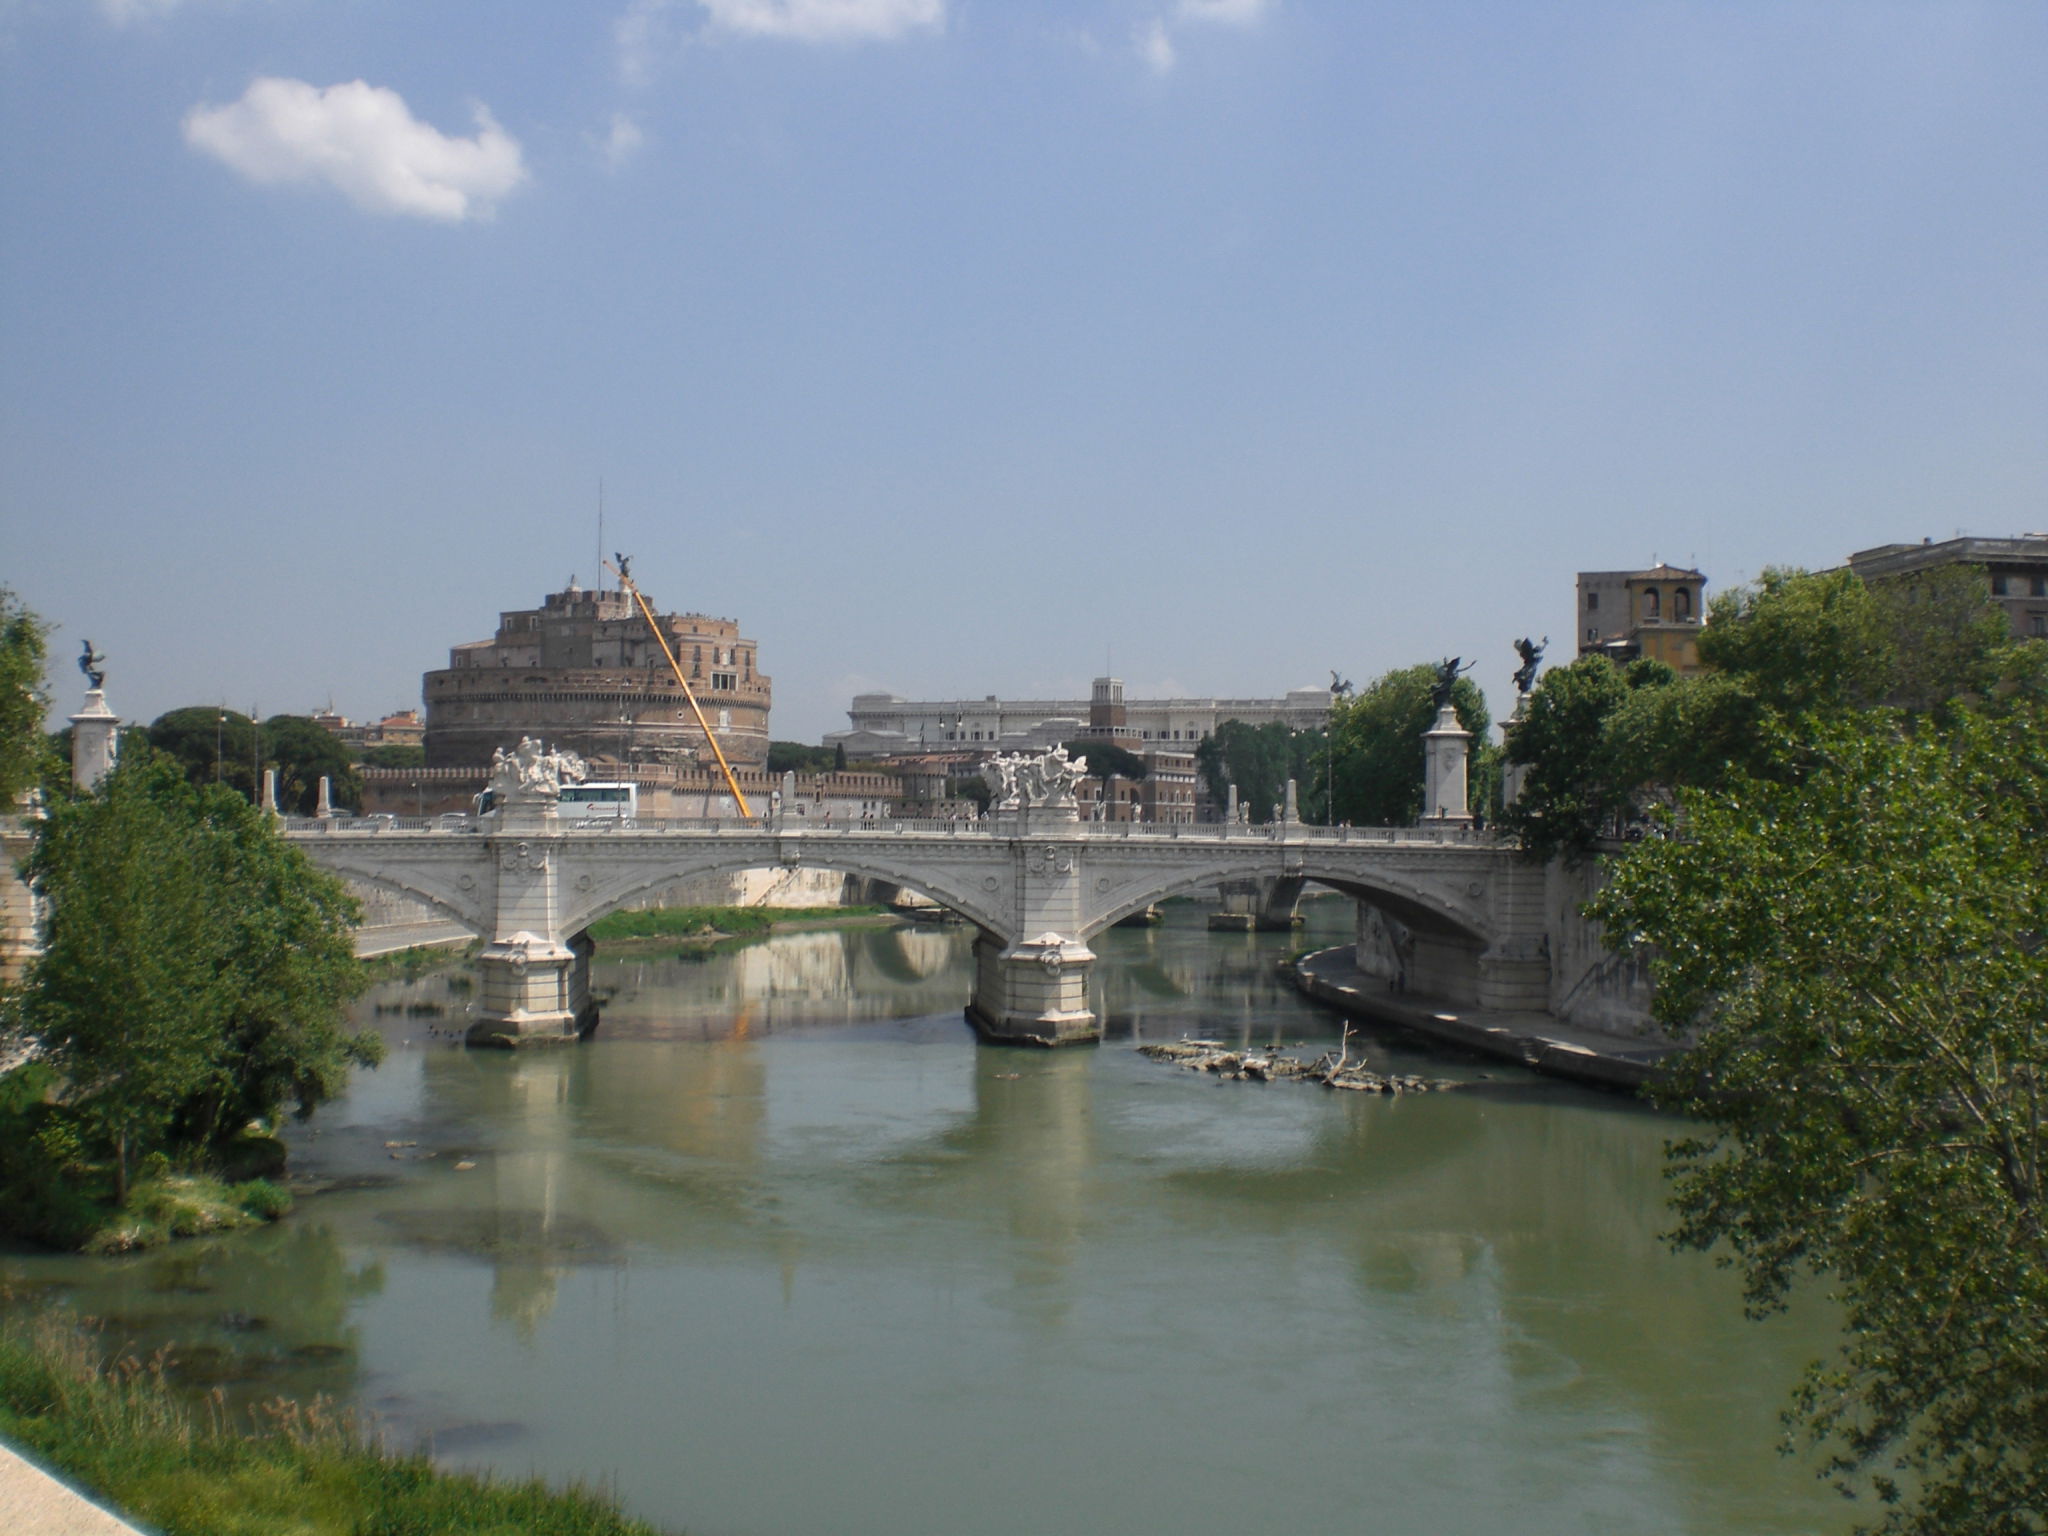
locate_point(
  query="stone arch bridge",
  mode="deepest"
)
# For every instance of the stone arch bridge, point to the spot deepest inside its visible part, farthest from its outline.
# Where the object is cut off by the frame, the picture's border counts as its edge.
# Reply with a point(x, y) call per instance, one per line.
point(1037, 885)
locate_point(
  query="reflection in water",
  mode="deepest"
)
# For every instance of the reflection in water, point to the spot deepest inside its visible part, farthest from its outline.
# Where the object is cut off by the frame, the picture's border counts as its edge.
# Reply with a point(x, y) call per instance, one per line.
point(784, 1250)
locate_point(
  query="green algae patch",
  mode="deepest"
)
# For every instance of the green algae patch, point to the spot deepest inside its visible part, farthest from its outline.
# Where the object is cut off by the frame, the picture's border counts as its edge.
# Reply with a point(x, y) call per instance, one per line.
point(115, 1427)
point(187, 1205)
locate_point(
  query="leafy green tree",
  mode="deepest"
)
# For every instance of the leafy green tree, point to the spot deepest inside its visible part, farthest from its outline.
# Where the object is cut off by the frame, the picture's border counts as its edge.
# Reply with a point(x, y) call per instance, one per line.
point(1791, 649)
point(1579, 782)
point(1106, 758)
point(795, 757)
point(196, 967)
point(212, 744)
point(1860, 948)
point(1259, 760)
point(1377, 755)
point(23, 699)
point(395, 755)
point(303, 753)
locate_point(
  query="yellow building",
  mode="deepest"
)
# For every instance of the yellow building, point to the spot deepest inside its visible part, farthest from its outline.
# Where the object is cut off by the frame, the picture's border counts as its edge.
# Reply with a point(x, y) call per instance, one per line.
point(1655, 613)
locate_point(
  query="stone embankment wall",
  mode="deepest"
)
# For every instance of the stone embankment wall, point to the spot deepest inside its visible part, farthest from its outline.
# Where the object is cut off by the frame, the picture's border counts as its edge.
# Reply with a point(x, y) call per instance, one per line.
point(1590, 987)
point(18, 935)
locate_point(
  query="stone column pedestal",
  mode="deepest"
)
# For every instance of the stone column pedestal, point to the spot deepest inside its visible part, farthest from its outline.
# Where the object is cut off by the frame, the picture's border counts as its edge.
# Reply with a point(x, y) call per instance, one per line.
point(1446, 745)
point(534, 992)
point(93, 743)
point(1512, 773)
point(1033, 993)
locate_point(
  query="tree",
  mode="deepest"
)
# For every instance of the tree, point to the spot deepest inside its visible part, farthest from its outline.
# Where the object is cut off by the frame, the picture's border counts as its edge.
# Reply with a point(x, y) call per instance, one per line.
point(1259, 760)
point(1860, 946)
point(1108, 760)
point(1377, 754)
point(1578, 782)
point(795, 757)
point(395, 755)
point(195, 971)
point(23, 699)
point(212, 744)
point(1791, 649)
point(303, 753)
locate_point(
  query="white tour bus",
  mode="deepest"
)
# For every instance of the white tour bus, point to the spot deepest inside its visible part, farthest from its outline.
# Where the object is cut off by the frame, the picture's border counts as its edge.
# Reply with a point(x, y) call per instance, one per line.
point(583, 802)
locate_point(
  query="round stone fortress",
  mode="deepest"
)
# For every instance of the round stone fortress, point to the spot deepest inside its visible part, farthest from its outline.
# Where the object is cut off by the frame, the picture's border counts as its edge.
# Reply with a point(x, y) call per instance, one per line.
point(583, 673)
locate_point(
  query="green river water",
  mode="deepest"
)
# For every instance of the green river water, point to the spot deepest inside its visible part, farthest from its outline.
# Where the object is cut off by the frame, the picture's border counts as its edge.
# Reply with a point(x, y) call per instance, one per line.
point(782, 1251)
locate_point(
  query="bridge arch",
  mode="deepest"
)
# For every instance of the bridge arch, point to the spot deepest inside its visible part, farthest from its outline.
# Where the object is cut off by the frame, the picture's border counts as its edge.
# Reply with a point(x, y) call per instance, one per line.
point(1415, 903)
point(606, 896)
point(419, 883)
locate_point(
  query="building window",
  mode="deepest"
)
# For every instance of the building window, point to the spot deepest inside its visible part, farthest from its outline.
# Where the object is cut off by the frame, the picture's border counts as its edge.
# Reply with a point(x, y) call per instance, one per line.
point(2041, 624)
point(724, 682)
point(1592, 602)
point(1653, 604)
point(1998, 586)
point(2039, 588)
point(1681, 603)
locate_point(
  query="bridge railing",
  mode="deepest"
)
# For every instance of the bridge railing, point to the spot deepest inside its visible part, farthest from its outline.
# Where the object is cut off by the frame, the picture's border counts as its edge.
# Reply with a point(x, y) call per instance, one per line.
point(455, 824)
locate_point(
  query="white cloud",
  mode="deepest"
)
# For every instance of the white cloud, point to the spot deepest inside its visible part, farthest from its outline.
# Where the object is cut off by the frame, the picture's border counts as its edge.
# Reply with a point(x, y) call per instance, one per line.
point(624, 139)
point(1155, 47)
point(1240, 13)
point(364, 141)
point(818, 21)
point(641, 35)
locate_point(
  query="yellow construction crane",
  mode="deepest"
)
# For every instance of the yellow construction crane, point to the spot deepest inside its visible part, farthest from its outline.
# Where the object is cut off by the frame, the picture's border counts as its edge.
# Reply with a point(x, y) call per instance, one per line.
point(732, 783)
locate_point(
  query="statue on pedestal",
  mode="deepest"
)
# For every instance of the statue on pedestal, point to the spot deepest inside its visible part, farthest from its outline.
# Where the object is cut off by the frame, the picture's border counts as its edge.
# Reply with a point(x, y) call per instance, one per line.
point(1024, 781)
point(1447, 675)
point(1531, 653)
point(92, 664)
point(530, 774)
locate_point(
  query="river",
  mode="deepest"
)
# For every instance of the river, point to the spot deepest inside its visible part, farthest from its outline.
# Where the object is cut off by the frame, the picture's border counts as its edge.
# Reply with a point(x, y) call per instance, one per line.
point(783, 1252)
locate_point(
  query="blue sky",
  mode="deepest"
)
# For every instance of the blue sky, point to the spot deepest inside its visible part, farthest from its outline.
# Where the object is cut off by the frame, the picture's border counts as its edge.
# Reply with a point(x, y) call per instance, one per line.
point(962, 347)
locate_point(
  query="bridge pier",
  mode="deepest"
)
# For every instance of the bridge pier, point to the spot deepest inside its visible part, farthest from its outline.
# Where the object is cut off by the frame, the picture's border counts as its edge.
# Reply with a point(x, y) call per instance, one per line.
point(1033, 993)
point(533, 991)
point(1265, 904)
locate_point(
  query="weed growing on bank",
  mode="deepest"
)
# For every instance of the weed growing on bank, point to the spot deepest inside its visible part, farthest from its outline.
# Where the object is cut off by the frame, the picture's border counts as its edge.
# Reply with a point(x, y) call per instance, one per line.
point(714, 922)
point(114, 1427)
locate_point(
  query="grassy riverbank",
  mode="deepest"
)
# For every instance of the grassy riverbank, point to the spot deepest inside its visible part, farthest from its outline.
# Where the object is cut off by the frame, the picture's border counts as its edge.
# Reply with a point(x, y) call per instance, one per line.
point(719, 922)
point(114, 1427)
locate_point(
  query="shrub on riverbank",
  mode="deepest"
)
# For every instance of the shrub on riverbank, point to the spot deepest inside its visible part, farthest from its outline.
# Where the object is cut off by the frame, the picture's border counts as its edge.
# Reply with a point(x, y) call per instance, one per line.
point(115, 1428)
point(712, 922)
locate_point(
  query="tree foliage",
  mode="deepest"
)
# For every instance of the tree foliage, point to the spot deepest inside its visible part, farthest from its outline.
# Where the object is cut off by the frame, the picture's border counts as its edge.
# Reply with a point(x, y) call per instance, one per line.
point(1106, 758)
point(214, 745)
point(304, 752)
point(796, 757)
point(1862, 947)
point(1259, 760)
point(23, 699)
point(1377, 755)
point(393, 754)
point(196, 967)
point(1605, 746)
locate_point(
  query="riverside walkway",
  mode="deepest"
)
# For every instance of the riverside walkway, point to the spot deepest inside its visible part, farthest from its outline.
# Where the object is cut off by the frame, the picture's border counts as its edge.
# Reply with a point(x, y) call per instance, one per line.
point(33, 1503)
point(1533, 1039)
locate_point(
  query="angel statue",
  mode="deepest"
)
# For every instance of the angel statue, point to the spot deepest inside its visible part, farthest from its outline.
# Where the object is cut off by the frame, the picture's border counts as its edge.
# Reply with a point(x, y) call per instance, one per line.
point(92, 664)
point(1531, 652)
point(1447, 675)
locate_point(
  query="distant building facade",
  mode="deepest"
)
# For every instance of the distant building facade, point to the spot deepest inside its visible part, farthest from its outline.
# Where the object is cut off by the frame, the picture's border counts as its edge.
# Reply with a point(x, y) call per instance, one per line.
point(1656, 613)
point(401, 728)
point(2015, 568)
point(583, 672)
point(886, 725)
